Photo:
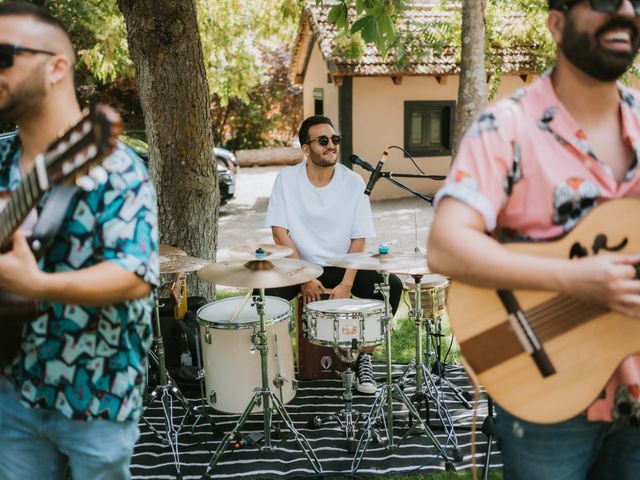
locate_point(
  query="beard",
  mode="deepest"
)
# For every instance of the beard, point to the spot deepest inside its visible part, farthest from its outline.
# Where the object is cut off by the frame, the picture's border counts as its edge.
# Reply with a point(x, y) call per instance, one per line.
point(24, 100)
point(586, 53)
point(318, 160)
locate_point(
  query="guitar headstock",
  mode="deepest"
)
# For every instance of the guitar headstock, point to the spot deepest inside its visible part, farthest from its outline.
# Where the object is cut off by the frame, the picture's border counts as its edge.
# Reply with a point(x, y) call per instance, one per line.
point(84, 145)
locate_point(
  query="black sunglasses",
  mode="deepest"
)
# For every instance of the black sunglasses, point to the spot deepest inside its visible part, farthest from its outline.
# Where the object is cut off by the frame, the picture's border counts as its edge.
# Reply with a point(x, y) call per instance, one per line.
point(324, 140)
point(601, 6)
point(7, 52)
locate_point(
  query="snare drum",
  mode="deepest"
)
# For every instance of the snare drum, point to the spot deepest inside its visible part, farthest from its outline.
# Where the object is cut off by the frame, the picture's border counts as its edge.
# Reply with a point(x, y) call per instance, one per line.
point(231, 360)
point(335, 323)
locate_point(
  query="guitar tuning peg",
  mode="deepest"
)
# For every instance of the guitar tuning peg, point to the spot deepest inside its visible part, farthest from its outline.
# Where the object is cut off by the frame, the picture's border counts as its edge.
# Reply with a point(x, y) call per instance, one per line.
point(99, 174)
point(86, 183)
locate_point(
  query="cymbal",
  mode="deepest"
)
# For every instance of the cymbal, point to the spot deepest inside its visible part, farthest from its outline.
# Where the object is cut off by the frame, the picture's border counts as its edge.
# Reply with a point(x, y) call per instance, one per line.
point(418, 270)
point(180, 263)
point(384, 262)
point(260, 273)
point(166, 250)
point(262, 251)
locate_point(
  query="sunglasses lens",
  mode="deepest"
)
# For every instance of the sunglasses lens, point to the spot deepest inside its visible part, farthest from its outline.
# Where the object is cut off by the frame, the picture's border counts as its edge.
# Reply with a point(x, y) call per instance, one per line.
point(6, 57)
point(336, 139)
point(605, 6)
point(323, 140)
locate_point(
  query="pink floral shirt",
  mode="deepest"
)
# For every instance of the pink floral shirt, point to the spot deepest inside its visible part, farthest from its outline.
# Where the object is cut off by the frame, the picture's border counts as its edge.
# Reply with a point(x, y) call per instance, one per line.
point(527, 167)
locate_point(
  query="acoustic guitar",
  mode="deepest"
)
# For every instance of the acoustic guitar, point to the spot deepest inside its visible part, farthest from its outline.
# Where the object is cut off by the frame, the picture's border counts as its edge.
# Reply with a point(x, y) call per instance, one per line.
point(543, 356)
point(69, 158)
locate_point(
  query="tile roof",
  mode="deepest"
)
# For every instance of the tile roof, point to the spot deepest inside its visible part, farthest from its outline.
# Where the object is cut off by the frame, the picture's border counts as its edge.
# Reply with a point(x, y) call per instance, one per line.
point(314, 27)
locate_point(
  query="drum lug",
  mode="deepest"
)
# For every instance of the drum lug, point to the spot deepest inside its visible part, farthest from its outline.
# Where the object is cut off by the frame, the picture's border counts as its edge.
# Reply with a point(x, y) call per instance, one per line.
point(200, 374)
point(212, 397)
point(294, 384)
point(207, 337)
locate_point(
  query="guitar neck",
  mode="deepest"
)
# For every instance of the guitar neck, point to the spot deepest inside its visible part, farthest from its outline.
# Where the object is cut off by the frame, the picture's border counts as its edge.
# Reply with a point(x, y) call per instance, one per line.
point(22, 201)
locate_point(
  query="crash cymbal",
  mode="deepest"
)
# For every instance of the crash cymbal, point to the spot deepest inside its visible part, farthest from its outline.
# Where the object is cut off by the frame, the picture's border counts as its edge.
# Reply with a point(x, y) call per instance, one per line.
point(180, 263)
point(262, 251)
point(260, 274)
point(166, 250)
point(384, 262)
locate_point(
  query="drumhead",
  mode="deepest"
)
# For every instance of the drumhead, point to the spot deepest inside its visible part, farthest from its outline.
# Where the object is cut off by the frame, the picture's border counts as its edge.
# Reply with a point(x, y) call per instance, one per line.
point(219, 314)
point(346, 305)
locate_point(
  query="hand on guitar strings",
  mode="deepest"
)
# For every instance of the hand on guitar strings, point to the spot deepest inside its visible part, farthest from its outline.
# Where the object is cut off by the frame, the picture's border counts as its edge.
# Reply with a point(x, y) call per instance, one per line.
point(608, 279)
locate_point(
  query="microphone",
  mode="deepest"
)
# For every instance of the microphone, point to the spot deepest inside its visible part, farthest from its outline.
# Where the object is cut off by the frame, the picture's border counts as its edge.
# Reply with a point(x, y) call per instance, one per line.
point(375, 174)
point(355, 159)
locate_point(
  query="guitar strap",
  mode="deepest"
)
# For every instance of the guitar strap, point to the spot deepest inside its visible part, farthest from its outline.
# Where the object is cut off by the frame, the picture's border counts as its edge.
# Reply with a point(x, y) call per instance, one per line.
point(51, 217)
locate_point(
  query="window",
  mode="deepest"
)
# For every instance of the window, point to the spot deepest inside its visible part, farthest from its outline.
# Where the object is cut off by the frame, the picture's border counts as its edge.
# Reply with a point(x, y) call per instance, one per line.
point(428, 128)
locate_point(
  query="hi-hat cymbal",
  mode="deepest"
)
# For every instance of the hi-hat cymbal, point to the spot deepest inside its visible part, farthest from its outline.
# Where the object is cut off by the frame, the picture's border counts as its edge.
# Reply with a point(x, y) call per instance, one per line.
point(262, 251)
point(384, 262)
point(261, 273)
point(180, 263)
point(166, 250)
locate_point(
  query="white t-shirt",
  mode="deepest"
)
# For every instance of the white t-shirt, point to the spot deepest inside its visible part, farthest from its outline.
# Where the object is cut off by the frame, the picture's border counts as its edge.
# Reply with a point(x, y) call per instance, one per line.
point(321, 221)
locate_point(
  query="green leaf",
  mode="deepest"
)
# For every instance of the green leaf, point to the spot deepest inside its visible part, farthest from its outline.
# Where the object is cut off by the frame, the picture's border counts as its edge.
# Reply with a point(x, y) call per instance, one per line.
point(370, 32)
point(361, 24)
point(359, 6)
point(335, 13)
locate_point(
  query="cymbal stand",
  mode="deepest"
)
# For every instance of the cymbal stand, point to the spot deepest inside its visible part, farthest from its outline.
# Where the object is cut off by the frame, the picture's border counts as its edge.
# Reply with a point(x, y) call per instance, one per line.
point(347, 417)
point(265, 396)
point(166, 391)
point(384, 397)
point(426, 387)
point(201, 410)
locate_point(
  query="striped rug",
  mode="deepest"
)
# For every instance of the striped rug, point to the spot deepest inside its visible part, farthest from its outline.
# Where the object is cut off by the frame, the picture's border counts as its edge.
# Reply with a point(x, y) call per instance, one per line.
point(416, 454)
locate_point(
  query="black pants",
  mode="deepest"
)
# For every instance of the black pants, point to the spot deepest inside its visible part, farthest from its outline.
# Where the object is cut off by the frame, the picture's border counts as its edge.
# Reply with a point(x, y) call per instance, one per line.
point(363, 286)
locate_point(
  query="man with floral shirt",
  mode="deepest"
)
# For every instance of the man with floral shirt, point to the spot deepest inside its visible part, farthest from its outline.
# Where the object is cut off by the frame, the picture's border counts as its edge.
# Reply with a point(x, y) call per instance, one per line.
point(73, 394)
point(529, 169)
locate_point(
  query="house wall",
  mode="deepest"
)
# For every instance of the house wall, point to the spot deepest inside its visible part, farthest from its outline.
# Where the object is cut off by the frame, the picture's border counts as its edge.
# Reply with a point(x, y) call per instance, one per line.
point(316, 77)
point(378, 117)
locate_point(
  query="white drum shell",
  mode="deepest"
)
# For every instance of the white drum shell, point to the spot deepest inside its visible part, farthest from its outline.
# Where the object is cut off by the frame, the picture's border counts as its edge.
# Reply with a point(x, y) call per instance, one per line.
point(335, 323)
point(232, 371)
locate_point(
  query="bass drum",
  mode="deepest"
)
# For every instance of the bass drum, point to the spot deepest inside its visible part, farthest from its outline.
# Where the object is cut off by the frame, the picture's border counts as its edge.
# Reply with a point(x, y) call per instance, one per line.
point(230, 358)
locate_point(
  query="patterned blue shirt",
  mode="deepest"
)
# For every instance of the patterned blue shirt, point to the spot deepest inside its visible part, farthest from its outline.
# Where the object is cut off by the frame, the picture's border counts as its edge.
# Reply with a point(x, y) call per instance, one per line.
point(90, 362)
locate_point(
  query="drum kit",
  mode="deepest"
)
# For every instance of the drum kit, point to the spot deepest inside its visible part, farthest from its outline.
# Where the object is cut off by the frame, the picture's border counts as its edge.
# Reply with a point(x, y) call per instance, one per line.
point(238, 327)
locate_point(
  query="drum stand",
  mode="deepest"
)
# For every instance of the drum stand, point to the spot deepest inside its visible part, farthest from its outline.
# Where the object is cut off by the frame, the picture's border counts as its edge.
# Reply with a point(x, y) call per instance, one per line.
point(347, 417)
point(385, 395)
point(166, 391)
point(265, 396)
point(426, 386)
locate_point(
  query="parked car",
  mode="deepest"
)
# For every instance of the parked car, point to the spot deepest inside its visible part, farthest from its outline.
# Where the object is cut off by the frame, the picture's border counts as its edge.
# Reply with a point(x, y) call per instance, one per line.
point(226, 161)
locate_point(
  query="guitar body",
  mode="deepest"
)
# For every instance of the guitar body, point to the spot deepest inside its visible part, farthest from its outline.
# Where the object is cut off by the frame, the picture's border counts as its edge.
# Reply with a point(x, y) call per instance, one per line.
point(15, 311)
point(585, 343)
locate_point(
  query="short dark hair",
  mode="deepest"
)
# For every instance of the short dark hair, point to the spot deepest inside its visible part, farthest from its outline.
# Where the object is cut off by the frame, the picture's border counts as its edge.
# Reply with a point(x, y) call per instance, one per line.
point(303, 133)
point(23, 8)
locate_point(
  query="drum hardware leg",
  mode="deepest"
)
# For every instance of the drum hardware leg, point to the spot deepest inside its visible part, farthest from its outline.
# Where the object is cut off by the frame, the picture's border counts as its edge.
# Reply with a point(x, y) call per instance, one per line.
point(439, 368)
point(166, 391)
point(385, 398)
point(489, 429)
point(201, 410)
point(270, 402)
point(347, 417)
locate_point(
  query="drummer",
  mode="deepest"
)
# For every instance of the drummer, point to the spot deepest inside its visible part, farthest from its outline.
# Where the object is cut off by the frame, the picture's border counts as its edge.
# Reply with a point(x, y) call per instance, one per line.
point(318, 208)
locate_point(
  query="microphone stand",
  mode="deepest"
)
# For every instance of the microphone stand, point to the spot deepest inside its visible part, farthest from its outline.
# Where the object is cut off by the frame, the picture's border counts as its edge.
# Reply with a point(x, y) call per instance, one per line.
point(391, 177)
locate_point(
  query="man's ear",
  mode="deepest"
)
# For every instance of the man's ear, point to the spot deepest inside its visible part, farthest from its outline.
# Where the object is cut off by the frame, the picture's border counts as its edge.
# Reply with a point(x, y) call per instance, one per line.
point(555, 24)
point(58, 68)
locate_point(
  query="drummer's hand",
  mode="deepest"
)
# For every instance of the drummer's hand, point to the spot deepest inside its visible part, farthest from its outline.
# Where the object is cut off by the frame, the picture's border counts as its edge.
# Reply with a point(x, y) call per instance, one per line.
point(341, 291)
point(312, 290)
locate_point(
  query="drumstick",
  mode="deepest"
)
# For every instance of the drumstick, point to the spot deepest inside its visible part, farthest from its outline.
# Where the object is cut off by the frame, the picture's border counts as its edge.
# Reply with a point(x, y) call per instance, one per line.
point(240, 307)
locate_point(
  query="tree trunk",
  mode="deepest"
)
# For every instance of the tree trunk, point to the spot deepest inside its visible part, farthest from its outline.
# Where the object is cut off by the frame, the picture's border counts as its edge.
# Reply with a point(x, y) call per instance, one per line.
point(472, 92)
point(165, 46)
